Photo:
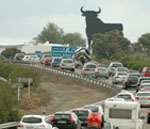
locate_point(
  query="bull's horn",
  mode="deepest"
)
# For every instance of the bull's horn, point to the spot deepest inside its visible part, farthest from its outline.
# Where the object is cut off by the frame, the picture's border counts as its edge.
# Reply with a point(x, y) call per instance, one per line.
point(82, 9)
point(98, 10)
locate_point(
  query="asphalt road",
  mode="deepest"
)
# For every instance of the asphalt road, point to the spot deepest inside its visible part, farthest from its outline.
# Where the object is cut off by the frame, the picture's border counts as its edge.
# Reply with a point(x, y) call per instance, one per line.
point(143, 111)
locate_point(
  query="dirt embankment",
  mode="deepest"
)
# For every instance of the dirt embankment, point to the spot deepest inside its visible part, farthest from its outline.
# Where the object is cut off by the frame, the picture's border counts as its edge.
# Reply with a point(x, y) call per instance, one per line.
point(59, 93)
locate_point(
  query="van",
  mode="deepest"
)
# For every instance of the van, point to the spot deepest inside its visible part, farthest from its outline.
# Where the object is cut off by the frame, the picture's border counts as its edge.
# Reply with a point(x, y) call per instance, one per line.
point(145, 72)
point(123, 114)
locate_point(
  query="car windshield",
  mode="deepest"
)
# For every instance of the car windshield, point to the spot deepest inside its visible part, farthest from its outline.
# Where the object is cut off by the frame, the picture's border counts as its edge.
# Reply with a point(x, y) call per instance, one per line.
point(57, 60)
point(92, 108)
point(81, 113)
point(67, 61)
point(62, 116)
point(91, 66)
point(124, 96)
point(32, 120)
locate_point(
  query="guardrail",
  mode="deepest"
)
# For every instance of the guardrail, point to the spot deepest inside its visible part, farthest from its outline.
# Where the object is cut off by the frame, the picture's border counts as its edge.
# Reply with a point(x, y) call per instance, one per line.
point(9, 125)
point(98, 83)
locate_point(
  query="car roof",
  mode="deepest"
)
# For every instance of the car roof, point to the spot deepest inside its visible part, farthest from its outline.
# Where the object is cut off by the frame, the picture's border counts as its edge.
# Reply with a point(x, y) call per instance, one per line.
point(143, 92)
point(124, 93)
point(40, 116)
point(145, 83)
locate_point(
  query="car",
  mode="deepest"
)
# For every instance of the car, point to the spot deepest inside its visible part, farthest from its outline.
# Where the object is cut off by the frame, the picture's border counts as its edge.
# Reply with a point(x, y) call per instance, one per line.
point(65, 120)
point(108, 125)
point(122, 69)
point(148, 117)
point(45, 56)
point(47, 61)
point(114, 65)
point(88, 69)
point(145, 72)
point(56, 61)
point(130, 82)
point(144, 87)
point(126, 96)
point(82, 115)
point(119, 77)
point(34, 59)
point(101, 72)
point(18, 56)
point(67, 64)
point(94, 108)
point(139, 82)
point(143, 97)
point(34, 121)
point(26, 58)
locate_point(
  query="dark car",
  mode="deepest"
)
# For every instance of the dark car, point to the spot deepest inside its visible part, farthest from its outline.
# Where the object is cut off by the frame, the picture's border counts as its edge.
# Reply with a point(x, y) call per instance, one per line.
point(82, 115)
point(148, 117)
point(130, 82)
point(65, 120)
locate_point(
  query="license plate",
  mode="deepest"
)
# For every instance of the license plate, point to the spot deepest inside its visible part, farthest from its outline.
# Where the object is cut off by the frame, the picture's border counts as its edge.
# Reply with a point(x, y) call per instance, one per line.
point(61, 122)
point(30, 127)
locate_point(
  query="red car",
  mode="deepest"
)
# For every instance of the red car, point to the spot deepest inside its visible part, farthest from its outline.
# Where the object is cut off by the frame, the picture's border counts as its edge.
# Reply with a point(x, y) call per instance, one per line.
point(145, 72)
point(95, 120)
point(47, 61)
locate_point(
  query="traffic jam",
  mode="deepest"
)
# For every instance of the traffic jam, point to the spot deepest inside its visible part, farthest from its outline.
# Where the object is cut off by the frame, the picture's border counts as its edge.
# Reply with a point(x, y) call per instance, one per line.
point(122, 111)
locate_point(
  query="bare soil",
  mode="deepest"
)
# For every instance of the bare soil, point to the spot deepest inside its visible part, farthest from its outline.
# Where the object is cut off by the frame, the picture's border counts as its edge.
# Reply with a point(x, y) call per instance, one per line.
point(60, 93)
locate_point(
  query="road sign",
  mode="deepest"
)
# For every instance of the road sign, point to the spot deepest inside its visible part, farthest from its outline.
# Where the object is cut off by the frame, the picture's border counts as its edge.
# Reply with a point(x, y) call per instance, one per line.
point(25, 80)
point(62, 51)
point(38, 53)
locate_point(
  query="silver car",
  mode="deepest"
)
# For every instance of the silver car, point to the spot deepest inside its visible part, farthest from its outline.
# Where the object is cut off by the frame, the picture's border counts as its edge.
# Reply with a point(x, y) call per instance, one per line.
point(88, 69)
point(67, 64)
point(101, 72)
point(119, 77)
point(143, 97)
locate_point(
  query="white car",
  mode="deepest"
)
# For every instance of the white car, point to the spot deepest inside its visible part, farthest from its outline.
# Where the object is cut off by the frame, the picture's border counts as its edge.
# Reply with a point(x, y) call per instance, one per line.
point(144, 87)
point(143, 97)
point(67, 64)
point(119, 77)
point(34, 121)
point(101, 72)
point(122, 69)
point(126, 96)
point(88, 69)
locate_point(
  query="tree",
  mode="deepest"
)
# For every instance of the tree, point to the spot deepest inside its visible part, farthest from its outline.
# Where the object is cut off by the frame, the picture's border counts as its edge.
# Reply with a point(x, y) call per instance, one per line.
point(7, 104)
point(10, 52)
point(74, 39)
point(109, 45)
point(51, 33)
point(145, 40)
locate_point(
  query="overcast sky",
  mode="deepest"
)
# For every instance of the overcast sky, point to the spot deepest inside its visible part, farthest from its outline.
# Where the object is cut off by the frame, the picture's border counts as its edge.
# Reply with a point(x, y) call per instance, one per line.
point(21, 20)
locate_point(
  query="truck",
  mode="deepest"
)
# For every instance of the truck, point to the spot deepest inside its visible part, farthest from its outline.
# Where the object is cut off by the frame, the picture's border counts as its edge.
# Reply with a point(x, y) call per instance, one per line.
point(123, 114)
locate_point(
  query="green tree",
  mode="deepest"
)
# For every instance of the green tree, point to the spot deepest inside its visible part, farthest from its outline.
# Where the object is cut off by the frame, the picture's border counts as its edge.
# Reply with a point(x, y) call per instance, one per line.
point(74, 39)
point(8, 103)
point(109, 45)
point(10, 52)
point(145, 40)
point(51, 33)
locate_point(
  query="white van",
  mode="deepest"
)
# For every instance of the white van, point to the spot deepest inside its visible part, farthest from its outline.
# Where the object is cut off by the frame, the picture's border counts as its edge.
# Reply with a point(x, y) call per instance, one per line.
point(123, 114)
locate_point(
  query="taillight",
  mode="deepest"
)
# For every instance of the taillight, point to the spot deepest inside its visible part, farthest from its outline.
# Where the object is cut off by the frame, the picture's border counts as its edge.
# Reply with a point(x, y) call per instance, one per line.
point(137, 98)
point(132, 99)
point(87, 69)
point(62, 64)
point(73, 121)
point(117, 77)
point(127, 81)
point(72, 64)
point(43, 125)
point(148, 98)
point(52, 118)
point(20, 126)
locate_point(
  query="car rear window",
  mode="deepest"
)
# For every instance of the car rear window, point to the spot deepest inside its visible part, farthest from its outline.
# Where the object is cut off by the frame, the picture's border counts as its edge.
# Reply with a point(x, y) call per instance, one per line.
point(124, 96)
point(102, 69)
point(91, 66)
point(143, 94)
point(122, 73)
point(93, 109)
point(116, 65)
point(62, 116)
point(34, 120)
point(132, 78)
point(68, 61)
point(57, 60)
point(148, 70)
point(81, 113)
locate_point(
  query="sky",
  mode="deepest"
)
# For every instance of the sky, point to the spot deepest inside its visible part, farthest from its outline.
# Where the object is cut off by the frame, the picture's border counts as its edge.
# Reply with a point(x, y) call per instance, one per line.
point(21, 20)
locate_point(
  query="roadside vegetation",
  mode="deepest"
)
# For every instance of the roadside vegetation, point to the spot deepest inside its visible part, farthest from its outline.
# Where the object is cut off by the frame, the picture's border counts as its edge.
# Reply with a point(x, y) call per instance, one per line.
point(8, 95)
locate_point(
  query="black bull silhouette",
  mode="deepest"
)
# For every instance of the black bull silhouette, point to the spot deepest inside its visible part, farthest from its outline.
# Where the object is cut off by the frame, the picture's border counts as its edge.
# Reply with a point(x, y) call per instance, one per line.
point(95, 25)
